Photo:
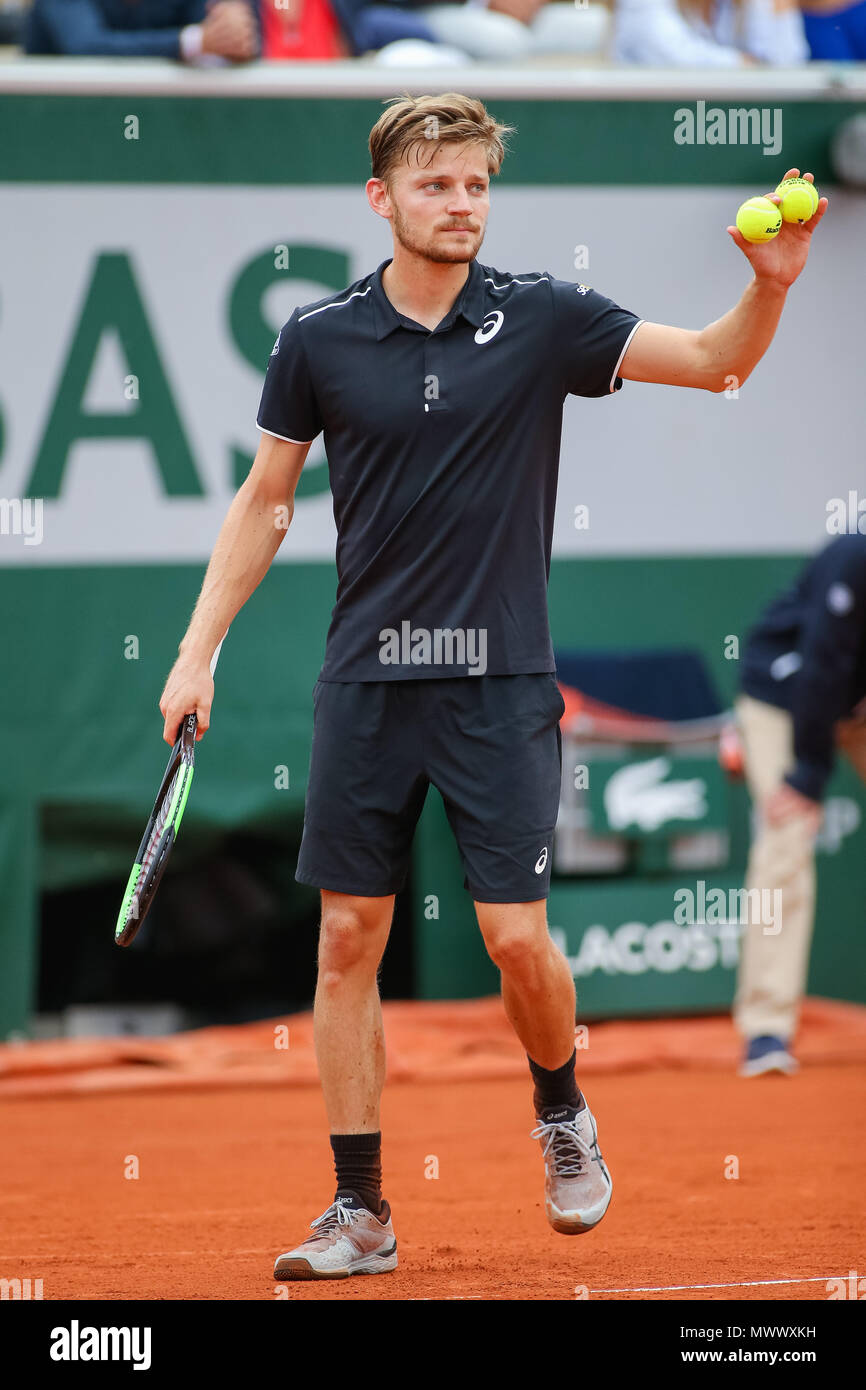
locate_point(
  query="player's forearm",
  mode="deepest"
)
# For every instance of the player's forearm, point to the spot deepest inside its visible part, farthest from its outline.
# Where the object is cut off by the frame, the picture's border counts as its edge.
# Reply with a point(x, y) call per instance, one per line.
point(248, 540)
point(735, 344)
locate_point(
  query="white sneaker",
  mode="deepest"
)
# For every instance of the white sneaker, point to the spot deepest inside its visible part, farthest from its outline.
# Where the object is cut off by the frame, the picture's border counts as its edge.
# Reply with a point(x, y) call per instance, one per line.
point(577, 1184)
point(348, 1239)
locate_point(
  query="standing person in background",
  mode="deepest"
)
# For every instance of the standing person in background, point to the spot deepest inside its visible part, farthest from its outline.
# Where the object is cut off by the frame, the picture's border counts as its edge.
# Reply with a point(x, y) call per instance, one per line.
point(836, 33)
point(709, 33)
point(188, 30)
point(803, 696)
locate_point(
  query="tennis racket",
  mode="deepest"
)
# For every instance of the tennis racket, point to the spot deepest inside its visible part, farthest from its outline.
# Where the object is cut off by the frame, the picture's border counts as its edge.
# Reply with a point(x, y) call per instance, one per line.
point(161, 831)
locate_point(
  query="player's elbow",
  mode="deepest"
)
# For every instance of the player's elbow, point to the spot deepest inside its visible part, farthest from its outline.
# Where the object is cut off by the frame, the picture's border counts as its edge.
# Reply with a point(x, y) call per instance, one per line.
point(261, 496)
point(724, 382)
point(716, 373)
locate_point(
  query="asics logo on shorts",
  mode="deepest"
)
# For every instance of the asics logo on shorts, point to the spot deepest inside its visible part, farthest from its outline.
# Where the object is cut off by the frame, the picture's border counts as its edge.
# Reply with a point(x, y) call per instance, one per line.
point(541, 861)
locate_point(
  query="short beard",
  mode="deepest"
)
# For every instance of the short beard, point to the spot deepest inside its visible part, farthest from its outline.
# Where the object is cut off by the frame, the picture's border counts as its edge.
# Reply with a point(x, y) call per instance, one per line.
point(403, 233)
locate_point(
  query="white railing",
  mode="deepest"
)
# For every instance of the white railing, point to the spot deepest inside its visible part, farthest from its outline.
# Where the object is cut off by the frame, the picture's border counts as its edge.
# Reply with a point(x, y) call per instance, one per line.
point(362, 77)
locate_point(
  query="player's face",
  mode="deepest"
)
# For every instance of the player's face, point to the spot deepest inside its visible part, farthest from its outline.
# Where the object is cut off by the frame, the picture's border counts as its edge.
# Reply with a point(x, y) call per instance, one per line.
point(439, 209)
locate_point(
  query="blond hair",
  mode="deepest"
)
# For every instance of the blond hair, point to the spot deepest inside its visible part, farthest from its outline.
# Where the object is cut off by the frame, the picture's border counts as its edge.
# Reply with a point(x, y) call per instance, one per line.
point(411, 122)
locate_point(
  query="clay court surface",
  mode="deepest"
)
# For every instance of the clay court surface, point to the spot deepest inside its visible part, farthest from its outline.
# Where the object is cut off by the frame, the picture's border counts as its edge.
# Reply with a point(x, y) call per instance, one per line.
point(232, 1171)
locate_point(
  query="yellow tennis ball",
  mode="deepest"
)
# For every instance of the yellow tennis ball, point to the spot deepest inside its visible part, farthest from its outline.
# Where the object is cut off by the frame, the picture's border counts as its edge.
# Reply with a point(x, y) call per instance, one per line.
point(759, 220)
point(799, 199)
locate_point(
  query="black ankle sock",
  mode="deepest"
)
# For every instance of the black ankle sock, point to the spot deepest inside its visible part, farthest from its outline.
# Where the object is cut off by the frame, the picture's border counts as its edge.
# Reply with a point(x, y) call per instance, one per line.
point(358, 1164)
point(556, 1088)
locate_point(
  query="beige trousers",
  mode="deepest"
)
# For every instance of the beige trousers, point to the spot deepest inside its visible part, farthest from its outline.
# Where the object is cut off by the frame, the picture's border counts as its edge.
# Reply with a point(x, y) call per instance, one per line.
point(774, 959)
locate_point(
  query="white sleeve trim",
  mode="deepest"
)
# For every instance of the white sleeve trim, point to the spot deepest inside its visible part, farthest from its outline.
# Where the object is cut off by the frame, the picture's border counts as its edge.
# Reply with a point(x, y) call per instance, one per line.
point(283, 436)
point(612, 386)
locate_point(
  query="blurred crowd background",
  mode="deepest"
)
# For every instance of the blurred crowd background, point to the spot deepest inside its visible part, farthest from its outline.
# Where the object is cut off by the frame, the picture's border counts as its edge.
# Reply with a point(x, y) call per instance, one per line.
point(222, 33)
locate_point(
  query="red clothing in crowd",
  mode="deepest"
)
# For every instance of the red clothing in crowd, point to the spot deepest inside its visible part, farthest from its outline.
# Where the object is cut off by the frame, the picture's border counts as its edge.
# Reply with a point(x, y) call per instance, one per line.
point(300, 29)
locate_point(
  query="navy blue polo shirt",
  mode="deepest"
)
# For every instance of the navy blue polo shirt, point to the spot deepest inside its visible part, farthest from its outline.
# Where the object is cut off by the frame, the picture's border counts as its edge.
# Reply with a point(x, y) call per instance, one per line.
point(807, 655)
point(443, 453)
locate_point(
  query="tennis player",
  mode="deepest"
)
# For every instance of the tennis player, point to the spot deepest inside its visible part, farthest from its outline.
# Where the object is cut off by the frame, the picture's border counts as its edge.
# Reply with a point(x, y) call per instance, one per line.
point(439, 384)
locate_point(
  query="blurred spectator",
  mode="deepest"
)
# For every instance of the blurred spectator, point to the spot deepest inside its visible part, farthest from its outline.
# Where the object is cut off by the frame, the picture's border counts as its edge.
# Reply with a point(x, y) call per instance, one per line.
point(709, 33)
point(13, 18)
point(298, 29)
point(836, 32)
point(501, 30)
point(226, 31)
point(367, 28)
point(802, 698)
point(771, 31)
point(509, 29)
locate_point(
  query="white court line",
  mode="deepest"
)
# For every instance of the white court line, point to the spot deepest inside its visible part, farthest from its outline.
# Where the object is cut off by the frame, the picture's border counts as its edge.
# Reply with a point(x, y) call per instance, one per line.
point(127, 1256)
point(744, 1284)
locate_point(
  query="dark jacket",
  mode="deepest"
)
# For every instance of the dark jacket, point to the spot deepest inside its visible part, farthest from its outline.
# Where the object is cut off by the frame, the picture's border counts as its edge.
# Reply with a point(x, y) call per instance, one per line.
point(807, 654)
point(368, 27)
point(116, 28)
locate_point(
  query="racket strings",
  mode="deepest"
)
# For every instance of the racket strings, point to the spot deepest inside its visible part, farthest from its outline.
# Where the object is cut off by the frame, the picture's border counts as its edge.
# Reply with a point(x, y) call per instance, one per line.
point(149, 856)
point(147, 871)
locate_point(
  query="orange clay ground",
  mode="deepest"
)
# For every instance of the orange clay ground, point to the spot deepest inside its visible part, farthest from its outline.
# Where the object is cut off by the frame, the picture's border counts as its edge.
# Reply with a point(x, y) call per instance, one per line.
point(233, 1165)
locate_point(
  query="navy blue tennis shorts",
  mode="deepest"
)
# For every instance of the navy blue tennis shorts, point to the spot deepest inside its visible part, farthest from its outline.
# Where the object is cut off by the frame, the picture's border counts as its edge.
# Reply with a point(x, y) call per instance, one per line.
point(491, 745)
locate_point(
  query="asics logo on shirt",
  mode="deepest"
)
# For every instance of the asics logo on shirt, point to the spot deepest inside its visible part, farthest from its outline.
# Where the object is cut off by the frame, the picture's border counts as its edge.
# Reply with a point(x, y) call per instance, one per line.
point(491, 326)
point(541, 861)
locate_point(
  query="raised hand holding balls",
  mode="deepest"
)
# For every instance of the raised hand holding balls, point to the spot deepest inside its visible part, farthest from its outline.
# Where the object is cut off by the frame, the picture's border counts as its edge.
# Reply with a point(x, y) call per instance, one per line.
point(759, 219)
point(785, 251)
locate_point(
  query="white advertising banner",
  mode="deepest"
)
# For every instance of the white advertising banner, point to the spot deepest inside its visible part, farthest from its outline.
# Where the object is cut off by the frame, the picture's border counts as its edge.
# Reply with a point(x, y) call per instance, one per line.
point(136, 323)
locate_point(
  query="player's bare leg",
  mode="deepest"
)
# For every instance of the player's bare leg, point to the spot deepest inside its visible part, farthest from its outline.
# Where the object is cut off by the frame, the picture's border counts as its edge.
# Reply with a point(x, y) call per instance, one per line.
point(537, 987)
point(539, 998)
point(347, 1015)
point(354, 1235)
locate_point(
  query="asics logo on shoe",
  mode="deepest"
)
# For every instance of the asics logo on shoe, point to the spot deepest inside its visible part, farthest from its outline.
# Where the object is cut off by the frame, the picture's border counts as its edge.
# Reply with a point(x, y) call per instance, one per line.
point(541, 861)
